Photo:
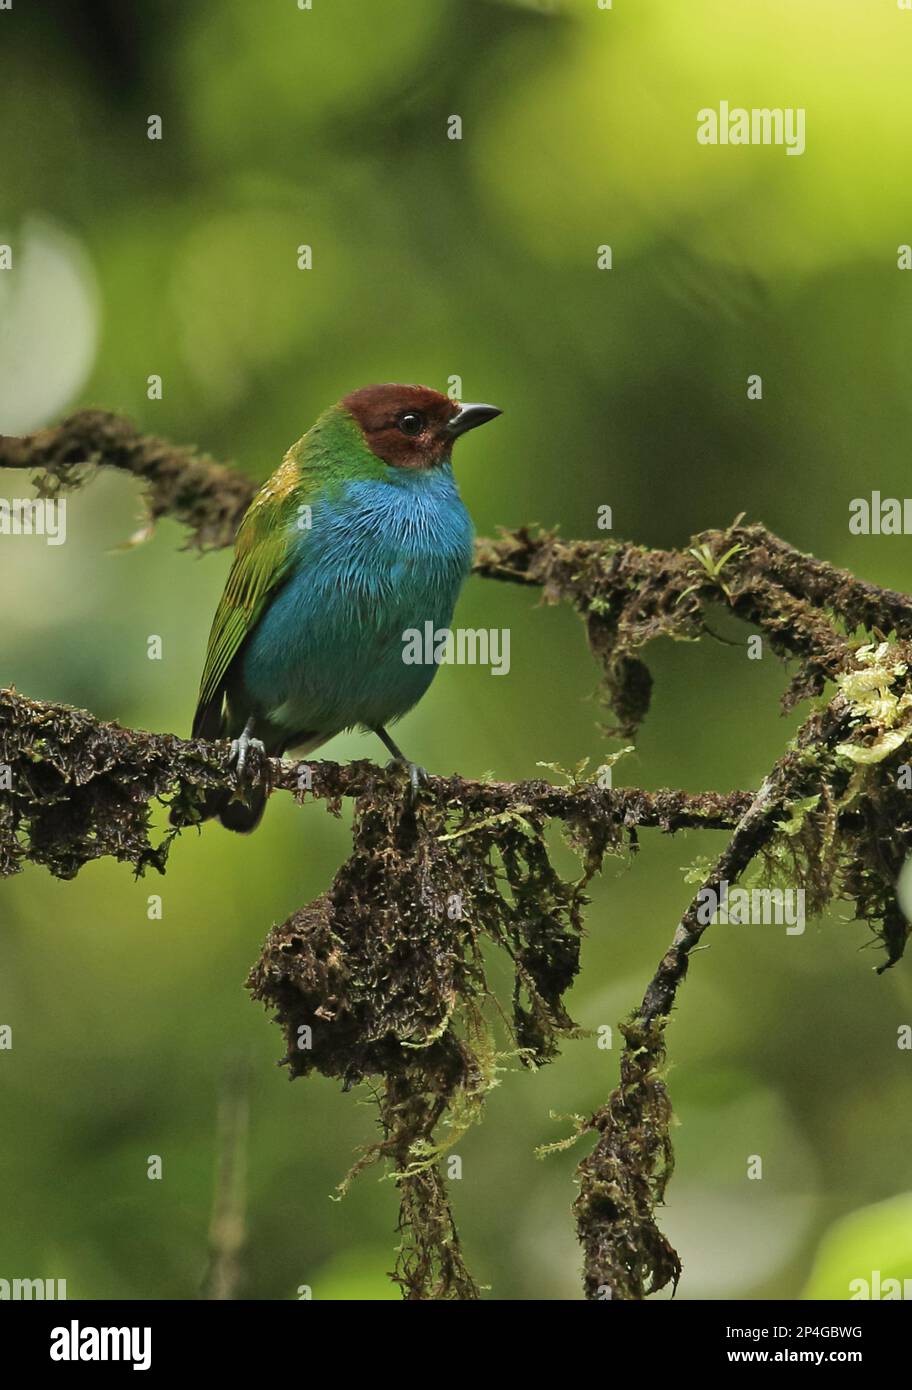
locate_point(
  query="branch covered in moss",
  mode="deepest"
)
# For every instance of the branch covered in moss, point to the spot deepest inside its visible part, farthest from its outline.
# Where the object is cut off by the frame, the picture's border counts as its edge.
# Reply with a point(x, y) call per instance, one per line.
point(628, 594)
point(207, 497)
point(382, 978)
point(74, 788)
point(831, 819)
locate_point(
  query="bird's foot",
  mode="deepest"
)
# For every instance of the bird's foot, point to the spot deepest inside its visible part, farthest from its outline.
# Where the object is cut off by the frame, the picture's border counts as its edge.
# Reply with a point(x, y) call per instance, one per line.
point(417, 775)
point(241, 749)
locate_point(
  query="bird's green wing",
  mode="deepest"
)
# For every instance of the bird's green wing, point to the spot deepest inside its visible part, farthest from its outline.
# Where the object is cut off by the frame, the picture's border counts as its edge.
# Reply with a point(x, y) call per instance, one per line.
point(262, 556)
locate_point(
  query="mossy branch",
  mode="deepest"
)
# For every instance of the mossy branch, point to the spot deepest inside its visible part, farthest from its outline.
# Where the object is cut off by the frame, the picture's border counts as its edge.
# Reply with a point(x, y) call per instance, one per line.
point(207, 497)
point(383, 977)
point(74, 788)
point(625, 1176)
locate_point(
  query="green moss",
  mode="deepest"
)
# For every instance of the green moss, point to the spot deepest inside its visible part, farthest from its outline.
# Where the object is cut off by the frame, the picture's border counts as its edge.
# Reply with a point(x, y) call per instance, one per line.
point(383, 978)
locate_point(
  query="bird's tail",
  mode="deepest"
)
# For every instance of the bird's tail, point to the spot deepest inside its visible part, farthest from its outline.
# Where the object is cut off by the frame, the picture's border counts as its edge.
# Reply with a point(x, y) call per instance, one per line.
point(239, 808)
point(240, 811)
point(241, 815)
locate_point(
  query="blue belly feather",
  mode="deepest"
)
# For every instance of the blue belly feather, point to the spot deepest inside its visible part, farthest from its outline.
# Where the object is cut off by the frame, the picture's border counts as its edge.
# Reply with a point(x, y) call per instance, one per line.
point(379, 558)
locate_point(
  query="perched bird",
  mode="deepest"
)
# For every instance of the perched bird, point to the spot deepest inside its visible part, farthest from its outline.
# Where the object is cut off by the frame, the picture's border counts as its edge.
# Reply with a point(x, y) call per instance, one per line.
point(359, 536)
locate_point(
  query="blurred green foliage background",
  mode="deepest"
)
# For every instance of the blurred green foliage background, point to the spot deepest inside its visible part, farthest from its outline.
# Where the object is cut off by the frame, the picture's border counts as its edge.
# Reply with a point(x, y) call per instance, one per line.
point(435, 257)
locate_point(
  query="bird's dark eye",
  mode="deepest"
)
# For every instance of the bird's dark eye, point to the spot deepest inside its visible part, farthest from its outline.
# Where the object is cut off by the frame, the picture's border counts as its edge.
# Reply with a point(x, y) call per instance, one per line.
point(411, 422)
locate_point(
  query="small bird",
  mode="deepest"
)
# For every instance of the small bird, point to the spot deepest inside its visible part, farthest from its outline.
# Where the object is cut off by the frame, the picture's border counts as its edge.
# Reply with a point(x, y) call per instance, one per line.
point(359, 536)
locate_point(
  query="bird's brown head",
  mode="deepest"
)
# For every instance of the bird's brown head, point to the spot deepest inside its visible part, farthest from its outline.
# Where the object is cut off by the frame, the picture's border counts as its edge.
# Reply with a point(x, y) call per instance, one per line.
point(413, 426)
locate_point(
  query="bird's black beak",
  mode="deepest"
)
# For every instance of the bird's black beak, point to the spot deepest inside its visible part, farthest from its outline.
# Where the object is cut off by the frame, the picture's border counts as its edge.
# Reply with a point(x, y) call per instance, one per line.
point(470, 417)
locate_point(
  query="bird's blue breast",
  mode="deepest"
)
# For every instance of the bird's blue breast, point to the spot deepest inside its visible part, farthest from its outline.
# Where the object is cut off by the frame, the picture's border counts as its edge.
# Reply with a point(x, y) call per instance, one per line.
point(380, 558)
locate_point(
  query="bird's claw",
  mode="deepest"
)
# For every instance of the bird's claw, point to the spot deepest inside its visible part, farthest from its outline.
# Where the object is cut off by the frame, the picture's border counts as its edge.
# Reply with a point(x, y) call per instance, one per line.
point(240, 752)
point(418, 776)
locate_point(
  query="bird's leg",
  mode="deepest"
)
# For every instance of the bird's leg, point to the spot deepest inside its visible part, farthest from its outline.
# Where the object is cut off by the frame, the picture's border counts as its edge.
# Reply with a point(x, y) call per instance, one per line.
point(240, 749)
point(417, 775)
